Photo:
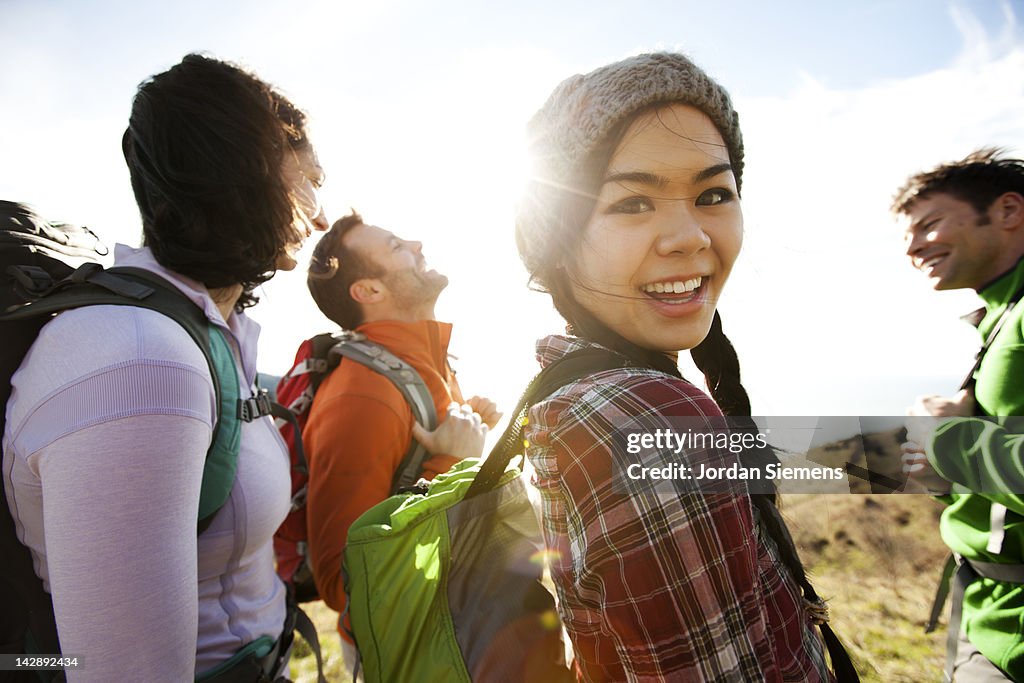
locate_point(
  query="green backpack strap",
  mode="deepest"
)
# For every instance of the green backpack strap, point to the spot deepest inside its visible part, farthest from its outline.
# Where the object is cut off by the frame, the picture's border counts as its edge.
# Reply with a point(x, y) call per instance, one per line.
point(91, 285)
point(222, 457)
point(572, 367)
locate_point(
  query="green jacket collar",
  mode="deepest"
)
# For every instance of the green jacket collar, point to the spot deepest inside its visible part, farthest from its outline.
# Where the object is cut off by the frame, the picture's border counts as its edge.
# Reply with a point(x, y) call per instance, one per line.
point(997, 294)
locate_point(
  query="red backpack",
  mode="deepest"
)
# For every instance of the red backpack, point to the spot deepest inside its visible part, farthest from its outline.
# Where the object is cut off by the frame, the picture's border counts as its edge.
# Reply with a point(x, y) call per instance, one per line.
point(314, 360)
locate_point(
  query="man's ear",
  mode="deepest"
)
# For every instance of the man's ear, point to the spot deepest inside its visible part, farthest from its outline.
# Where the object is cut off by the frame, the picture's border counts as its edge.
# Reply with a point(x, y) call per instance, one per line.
point(1008, 210)
point(367, 291)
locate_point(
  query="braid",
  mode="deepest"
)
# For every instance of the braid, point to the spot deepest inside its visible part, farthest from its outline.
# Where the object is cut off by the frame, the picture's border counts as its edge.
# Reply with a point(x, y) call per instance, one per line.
point(716, 358)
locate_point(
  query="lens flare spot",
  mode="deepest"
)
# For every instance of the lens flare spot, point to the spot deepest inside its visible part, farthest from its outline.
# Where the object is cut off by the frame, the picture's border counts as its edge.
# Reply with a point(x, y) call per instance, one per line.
point(544, 557)
point(549, 620)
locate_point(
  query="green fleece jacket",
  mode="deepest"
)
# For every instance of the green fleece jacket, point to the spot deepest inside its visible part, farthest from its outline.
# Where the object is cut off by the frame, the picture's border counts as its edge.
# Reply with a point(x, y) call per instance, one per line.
point(984, 458)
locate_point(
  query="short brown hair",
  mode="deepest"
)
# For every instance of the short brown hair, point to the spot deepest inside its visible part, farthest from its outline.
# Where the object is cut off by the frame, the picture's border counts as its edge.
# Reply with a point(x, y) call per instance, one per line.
point(333, 269)
point(978, 179)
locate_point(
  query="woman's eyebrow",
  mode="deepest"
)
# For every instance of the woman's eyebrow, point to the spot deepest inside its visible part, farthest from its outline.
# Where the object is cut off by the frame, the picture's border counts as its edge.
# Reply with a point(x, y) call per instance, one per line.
point(654, 180)
point(641, 177)
point(711, 172)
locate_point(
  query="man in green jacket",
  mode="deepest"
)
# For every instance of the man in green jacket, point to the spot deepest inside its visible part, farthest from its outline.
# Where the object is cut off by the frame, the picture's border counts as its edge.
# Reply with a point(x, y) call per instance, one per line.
point(964, 226)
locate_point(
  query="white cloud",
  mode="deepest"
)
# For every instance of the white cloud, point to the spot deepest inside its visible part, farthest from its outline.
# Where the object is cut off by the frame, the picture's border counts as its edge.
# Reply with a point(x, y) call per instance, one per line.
point(824, 270)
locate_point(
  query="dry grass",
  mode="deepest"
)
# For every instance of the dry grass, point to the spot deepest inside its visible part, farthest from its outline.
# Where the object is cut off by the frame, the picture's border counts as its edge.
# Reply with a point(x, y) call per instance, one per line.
point(303, 664)
point(877, 560)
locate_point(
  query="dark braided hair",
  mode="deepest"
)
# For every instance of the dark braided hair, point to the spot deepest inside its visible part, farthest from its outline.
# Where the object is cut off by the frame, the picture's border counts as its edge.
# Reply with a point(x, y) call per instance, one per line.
point(716, 358)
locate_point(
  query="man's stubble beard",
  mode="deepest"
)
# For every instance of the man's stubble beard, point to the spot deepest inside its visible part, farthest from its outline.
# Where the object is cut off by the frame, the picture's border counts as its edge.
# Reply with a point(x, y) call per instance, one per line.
point(413, 288)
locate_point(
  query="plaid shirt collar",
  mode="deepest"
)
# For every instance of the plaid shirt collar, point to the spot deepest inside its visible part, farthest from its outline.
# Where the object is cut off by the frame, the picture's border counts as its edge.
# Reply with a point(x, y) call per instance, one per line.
point(556, 346)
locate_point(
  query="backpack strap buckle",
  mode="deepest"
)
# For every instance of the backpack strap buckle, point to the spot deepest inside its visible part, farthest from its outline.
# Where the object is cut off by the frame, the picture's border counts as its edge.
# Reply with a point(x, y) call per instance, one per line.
point(256, 406)
point(33, 280)
point(317, 365)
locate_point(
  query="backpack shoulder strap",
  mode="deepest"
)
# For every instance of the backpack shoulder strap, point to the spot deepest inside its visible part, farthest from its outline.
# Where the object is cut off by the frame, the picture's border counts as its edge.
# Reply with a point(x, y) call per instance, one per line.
point(91, 285)
point(968, 382)
point(320, 362)
point(568, 369)
point(405, 378)
point(222, 457)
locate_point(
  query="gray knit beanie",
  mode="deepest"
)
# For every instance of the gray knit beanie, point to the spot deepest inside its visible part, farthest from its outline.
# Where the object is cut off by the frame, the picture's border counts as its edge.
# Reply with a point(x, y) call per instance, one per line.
point(580, 114)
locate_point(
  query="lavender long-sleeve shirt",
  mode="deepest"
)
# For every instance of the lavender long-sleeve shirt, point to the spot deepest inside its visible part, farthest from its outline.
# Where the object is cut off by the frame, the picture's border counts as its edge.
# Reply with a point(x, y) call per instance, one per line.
point(108, 425)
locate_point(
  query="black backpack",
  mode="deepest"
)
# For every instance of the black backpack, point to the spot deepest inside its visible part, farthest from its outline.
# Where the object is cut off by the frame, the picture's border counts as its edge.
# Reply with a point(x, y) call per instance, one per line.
point(26, 622)
point(46, 268)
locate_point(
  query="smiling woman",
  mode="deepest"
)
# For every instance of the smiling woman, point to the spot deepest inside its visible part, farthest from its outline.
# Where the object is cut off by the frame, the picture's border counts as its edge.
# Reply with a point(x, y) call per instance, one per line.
point(632, 222)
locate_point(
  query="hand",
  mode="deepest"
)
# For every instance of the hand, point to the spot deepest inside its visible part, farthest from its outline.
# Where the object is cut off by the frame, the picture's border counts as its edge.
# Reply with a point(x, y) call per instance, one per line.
point(926, 408)
point(486, 409)
point(920, 472)
point(960, 405)
point(461, 435)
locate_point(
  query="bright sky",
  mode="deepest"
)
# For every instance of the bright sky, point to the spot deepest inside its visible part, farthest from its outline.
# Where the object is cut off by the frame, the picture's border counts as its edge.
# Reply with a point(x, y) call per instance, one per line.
point(418, 112)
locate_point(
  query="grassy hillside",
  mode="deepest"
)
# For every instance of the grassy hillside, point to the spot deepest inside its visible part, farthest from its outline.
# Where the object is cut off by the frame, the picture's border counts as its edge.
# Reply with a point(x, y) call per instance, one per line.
point(876, 559)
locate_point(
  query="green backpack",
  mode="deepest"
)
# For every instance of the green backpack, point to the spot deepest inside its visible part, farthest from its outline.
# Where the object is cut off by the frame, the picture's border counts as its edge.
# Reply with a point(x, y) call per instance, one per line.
point(444, 585)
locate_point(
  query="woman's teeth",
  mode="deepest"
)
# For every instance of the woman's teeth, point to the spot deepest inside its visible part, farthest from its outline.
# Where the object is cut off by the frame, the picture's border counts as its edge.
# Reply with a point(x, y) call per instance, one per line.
point(674, 287)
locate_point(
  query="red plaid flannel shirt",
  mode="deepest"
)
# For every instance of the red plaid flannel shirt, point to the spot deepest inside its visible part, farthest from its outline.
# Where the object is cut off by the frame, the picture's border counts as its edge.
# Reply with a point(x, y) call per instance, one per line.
point(656, 587)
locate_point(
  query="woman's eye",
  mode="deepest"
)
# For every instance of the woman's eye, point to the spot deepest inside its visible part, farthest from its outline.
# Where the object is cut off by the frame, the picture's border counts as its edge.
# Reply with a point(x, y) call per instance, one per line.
point(717, 195)
point(632, 205)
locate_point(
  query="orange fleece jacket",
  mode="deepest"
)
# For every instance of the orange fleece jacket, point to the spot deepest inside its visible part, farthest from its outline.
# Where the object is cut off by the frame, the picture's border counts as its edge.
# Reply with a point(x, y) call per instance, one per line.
point(359, 428)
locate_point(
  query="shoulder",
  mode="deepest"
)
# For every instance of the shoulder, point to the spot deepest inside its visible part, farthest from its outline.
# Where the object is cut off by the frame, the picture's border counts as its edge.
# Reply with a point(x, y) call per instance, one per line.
point(102, 363)
point(351, 380)
point(1017, 321)
point(97, 336)
point(356, 410)
point(635, 393)
point(602, 408)
point(353, 394)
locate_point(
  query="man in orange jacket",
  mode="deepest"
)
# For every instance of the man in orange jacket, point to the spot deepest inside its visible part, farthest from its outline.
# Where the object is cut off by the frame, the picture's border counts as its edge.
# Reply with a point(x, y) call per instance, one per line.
point(364, 278)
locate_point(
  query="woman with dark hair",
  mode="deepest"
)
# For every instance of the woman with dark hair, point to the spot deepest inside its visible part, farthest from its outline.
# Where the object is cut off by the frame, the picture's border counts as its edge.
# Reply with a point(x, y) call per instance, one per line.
point(632, 223)
point(113, 409)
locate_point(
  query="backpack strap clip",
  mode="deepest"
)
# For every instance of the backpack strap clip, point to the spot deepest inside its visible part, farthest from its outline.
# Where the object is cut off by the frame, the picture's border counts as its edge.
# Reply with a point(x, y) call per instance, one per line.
point(317, 365)
point(33, 280)
point(256, 406)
